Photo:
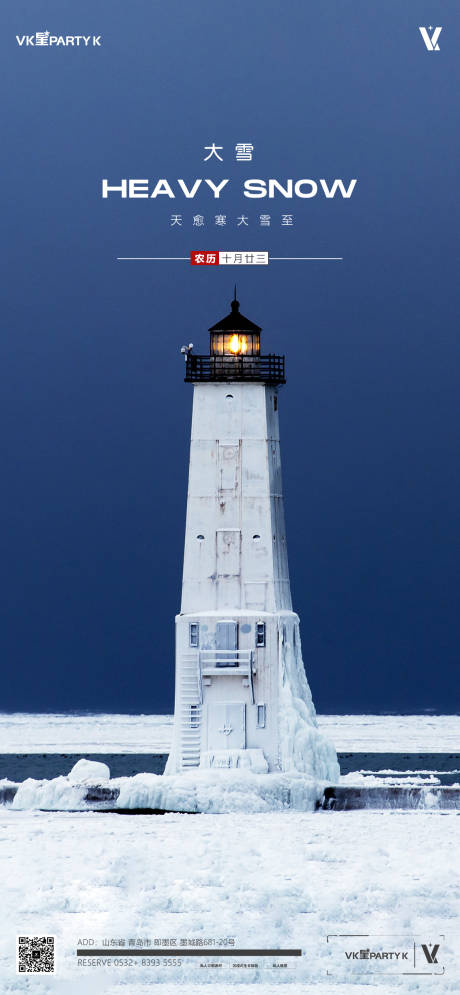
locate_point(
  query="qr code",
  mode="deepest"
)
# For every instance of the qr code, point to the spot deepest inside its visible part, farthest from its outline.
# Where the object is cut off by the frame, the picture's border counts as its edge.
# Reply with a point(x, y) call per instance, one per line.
point(35, 954)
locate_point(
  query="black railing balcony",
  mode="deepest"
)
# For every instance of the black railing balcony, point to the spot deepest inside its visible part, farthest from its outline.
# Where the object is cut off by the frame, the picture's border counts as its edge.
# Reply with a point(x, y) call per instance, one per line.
point(203, 369)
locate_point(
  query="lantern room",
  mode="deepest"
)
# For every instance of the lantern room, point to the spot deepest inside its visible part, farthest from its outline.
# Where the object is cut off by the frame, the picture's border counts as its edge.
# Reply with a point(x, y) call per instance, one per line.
point(235, 335)
point(234, 354)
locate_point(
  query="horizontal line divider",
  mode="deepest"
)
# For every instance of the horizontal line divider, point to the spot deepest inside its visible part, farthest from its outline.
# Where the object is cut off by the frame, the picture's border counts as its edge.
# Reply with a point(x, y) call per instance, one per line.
point(185, 952)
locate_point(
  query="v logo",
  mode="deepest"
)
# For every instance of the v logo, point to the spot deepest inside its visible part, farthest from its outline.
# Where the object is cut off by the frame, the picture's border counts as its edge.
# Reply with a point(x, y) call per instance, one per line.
point(430, 955)
point(431, 43)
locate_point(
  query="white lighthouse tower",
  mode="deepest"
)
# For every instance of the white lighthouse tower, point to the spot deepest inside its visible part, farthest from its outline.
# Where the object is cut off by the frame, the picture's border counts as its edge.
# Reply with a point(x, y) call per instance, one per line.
point(242, 698)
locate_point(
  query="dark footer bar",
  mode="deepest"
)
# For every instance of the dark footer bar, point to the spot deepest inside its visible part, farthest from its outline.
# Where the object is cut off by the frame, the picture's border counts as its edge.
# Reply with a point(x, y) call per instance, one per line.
point(185, 952)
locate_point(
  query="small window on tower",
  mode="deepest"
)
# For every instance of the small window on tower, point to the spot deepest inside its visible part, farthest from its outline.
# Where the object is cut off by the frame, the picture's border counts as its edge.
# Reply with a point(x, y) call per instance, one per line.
point(260, 634)
point(194, 633)
point(261, 716)
point(275, 403)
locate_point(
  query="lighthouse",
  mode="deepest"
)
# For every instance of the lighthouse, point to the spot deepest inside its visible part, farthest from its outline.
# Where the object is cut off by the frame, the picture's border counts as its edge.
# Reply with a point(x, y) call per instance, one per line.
point(242, 697)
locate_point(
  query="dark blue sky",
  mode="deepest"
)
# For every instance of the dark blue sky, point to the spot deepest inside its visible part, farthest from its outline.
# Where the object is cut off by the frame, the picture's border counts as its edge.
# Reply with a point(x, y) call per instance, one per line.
point(95, 415)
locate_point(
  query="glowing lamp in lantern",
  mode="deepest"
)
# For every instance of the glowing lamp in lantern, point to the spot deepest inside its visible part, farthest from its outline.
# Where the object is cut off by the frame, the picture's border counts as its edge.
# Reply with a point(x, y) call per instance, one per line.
point(238, 344)
point(235, 335)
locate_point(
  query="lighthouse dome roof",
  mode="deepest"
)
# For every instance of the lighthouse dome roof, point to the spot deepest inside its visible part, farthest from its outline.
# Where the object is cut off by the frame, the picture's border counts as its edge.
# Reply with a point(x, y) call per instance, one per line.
point(235, 321)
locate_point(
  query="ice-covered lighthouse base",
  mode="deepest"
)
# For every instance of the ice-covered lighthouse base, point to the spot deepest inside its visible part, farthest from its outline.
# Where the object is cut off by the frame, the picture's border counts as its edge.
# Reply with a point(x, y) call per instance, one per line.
point(291, 745)
point(236, 780)
point(199, 791)
point(218, 792)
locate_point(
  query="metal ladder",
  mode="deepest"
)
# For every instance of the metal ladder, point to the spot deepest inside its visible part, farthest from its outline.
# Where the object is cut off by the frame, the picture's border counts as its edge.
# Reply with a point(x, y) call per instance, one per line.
point(190, 710)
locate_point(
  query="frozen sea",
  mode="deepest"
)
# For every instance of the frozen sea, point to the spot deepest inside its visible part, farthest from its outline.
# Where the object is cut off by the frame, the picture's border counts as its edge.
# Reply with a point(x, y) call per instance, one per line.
point(279, 880)
point(66, 733)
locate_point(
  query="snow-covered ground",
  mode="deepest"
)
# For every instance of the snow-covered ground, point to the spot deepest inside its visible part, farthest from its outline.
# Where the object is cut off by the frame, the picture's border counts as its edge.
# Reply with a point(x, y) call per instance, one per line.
point(27, 733)
point(279, 880)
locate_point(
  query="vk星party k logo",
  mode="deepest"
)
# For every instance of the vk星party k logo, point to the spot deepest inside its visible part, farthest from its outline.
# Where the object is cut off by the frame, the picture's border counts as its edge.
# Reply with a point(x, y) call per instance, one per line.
point(431, 42)
point(43, 39)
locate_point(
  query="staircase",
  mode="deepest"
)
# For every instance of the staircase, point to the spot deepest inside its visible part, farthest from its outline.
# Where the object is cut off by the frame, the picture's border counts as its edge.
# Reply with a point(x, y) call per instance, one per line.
point(191, 707)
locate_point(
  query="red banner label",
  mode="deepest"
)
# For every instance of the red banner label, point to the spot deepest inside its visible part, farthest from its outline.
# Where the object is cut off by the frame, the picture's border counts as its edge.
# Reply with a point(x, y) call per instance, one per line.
point(204, 258)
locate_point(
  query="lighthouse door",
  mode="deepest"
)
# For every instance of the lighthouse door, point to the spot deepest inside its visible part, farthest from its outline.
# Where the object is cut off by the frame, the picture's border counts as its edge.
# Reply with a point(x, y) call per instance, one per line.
point(226, 726)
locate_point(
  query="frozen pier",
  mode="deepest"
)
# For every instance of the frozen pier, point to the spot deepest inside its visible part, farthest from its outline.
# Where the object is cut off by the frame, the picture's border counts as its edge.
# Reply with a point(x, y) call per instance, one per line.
point(390, 796)
point(102, 798)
